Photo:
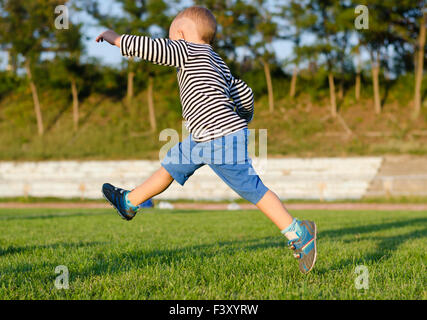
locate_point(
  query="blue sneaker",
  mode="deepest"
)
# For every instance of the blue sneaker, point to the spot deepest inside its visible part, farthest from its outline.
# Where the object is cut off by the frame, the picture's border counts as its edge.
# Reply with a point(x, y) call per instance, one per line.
point(304, 245)
point(117, 198)
point(147, 204)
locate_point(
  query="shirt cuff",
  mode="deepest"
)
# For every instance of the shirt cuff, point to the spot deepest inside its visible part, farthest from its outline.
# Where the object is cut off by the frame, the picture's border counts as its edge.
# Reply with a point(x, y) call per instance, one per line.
point(123, 48)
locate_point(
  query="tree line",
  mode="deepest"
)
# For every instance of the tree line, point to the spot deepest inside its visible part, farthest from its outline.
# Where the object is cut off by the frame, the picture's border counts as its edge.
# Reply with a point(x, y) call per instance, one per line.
point(394, 42)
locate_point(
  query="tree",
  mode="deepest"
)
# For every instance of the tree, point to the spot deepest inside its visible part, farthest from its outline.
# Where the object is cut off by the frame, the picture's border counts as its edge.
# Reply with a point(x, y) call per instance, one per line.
point(420, 64)
point(266, 33)
point(326, 29)
point(357, 85)
point(299, 19)
point(331, 26)
point(70, 48)
point(142, 17)
point(378, 38)
point(408, 26)
point(27, 28)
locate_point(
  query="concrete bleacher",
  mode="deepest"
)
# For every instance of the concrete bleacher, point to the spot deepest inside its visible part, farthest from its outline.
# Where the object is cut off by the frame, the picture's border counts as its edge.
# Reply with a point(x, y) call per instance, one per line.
point(400, 176)
point(316, 178)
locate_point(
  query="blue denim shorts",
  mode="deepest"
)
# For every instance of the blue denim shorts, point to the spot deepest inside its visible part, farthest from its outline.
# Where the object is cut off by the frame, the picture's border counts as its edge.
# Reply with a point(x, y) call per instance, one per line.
point(228, 158)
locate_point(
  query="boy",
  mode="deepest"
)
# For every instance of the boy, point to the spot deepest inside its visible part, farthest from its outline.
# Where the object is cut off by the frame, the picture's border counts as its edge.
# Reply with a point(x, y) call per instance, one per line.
point(217, 108)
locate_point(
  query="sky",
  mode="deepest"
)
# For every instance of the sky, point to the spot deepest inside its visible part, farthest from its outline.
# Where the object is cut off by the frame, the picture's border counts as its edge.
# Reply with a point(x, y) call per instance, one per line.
point(111, 55)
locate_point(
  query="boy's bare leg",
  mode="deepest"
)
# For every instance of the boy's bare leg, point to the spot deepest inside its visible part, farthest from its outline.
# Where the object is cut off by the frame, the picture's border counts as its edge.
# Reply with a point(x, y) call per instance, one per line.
point(273, 208)
point(157, 183)
point(302, 234)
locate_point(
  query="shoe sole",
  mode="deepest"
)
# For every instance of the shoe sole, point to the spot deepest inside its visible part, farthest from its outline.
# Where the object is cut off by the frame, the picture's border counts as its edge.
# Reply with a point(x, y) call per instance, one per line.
point(111, 204)
point(315, 248)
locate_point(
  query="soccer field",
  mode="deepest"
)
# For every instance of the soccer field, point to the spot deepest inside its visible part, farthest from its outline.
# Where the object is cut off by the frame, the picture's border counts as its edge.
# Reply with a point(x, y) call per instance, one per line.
point(173, 254)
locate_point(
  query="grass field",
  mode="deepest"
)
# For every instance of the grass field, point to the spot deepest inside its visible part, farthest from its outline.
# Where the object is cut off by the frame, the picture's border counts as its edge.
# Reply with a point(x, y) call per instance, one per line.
point(166, 254)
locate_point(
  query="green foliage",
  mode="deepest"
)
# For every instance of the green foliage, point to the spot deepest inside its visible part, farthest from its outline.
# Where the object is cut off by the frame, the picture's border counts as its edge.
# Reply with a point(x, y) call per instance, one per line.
point(298, 127)
point(8, 83)
point(27, 25)
point(252, 27)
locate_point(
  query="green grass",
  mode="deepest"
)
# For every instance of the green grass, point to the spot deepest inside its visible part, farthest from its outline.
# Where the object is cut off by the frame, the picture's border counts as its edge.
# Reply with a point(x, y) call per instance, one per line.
point(207, 255)
point(374, 200)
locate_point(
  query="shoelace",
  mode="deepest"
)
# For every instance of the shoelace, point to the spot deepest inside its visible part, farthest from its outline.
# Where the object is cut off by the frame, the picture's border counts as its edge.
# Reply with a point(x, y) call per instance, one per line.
point(291, 245)
point(120, 190)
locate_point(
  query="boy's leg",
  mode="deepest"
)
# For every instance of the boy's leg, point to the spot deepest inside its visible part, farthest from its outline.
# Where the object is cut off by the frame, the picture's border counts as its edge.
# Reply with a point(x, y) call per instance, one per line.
point(251, 188)
point(242, 178)
point(175, 166)
point(127, 202)
point(273, 208)
point(157, 183)
point(301, 234)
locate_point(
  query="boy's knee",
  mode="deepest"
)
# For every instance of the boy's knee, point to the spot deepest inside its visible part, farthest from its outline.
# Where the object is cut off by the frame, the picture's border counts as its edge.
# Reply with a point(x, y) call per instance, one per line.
point(254, 193)
point(165, 174)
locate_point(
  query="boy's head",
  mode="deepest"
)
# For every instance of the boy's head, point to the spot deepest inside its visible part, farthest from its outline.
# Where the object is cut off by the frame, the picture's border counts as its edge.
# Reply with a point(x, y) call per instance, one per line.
point(194, 24)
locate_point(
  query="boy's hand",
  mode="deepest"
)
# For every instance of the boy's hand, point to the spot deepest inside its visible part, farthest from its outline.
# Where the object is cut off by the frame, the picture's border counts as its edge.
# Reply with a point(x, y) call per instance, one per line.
point(110, 36)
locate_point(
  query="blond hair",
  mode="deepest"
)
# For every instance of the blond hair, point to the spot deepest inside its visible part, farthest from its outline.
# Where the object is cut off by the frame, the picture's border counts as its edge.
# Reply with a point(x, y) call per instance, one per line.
point(204, 20)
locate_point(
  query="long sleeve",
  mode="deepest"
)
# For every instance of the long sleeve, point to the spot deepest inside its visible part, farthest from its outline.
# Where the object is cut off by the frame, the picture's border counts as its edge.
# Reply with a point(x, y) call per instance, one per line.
point(159, 51)
point(243, 98)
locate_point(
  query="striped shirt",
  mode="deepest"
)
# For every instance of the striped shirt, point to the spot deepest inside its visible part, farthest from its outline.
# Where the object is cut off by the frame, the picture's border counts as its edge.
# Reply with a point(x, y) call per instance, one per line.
point(214, 103)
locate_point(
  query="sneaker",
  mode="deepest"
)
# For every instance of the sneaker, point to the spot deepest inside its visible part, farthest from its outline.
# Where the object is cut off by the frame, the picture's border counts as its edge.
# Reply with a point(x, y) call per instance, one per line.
point(116, 197)
point(305, 246)
point(147, 204)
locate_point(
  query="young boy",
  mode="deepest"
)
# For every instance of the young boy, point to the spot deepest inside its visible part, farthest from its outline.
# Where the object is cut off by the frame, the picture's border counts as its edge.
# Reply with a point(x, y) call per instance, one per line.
point(217, 108)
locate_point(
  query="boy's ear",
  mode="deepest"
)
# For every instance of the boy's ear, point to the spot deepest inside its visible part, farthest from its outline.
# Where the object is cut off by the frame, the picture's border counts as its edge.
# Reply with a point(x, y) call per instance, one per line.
point(181, 34)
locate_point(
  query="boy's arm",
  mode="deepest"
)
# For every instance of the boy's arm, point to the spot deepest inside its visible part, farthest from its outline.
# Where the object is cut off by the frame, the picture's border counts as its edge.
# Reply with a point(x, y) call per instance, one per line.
point(159, 51)
point(243, 98)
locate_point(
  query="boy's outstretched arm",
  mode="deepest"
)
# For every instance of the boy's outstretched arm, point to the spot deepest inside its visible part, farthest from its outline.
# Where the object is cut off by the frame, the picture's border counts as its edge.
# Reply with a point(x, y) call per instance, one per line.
point(243, 98)
point(110, 36)
point(159, 51)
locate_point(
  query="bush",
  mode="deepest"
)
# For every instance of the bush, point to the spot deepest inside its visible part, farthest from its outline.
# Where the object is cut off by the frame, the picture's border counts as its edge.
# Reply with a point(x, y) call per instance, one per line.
point(8, 83)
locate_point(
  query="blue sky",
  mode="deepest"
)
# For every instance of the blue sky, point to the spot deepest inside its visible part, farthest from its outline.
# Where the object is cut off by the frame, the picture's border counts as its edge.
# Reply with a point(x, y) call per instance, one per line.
point(110, 55)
